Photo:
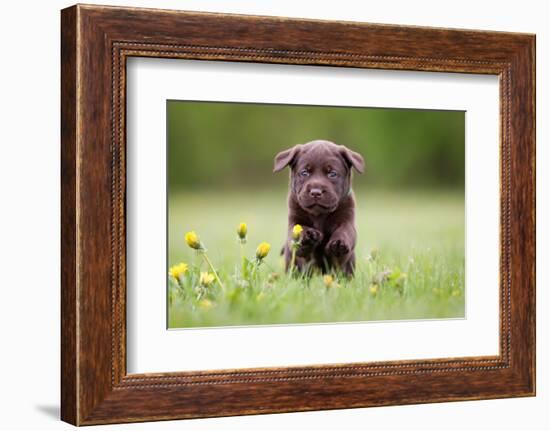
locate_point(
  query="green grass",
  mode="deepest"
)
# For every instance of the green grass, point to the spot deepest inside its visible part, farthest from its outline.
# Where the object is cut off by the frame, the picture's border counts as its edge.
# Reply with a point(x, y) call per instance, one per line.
point(419, 238)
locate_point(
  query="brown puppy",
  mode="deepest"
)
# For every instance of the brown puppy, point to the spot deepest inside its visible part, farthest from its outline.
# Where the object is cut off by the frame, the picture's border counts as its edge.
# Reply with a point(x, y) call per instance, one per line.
point(320, 199)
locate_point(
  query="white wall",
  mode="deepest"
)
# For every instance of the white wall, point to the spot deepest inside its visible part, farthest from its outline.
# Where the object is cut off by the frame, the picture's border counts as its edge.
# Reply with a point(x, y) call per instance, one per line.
point(29, 224)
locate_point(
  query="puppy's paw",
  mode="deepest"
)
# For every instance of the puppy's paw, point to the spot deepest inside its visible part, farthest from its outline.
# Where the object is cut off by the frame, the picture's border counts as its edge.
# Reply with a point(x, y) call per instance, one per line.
point(311, 237)
point(338, 247)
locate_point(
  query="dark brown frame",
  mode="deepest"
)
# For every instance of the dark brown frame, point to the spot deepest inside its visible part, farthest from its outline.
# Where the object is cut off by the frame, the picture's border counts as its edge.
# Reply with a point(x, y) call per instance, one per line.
point(95, 43)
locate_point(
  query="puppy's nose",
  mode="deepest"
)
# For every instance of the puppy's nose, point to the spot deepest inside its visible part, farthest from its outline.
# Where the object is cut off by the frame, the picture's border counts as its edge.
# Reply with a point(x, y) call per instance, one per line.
point(315, 193)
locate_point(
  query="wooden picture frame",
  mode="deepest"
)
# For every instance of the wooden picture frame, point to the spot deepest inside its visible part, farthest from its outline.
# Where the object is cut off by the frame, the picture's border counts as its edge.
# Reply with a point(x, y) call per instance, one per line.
point(95, 43)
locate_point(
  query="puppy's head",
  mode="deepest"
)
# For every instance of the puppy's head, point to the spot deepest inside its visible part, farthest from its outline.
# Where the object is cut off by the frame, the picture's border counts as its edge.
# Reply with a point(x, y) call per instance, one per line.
point(320, 174)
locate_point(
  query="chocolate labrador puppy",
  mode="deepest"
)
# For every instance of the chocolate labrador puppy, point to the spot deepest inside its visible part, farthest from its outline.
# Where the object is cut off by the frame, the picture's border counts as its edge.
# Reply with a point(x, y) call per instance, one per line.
point(320, 199)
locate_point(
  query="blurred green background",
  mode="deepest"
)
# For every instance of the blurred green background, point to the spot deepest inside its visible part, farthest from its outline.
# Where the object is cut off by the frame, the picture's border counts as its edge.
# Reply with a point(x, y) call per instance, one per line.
point(223, 145)
point(410, 207)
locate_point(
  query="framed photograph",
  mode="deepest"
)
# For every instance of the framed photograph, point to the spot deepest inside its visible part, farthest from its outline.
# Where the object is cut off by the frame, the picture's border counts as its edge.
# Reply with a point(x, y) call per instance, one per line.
point(264, 215)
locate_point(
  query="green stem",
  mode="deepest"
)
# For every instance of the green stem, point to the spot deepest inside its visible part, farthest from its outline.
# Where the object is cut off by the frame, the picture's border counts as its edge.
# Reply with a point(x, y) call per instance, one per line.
point(243, 262)
point(255, 269)
point(213, 270)
point(292, 259)
point(257, 262)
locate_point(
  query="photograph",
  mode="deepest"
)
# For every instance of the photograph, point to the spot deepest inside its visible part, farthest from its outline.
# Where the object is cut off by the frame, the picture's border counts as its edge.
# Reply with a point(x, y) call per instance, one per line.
point(297, 214)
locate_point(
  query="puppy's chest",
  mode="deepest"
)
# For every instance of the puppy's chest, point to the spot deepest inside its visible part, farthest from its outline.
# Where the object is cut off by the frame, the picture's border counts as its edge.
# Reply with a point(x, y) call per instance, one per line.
point(324, 226)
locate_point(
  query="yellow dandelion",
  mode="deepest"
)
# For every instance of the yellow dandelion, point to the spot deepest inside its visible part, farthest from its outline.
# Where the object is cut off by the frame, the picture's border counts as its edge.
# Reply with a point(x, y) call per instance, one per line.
point(178, 270)
point(373, 289)
point(193, 240)
point(263, 250)
point(205, 304)
point(328, 280)
point(242, 231)
point(455, 292)
point(206, 279)
point(297, 232)
point(260, 296)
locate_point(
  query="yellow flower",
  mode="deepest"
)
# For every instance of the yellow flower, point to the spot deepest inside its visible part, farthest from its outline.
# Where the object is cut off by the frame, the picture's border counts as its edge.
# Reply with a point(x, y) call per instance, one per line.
point(263, 250)
point(206, 279)
point(328, 280)
point(241, 231)
point(193, 240)
point(296, 232)
point(178, 270)
point(373, 289)
point(205, 304)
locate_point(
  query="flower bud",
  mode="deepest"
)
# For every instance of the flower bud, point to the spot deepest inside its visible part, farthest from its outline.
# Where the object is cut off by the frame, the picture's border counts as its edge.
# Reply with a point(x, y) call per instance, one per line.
point(297, 232)
point(262, 250)
point(242, 231)
point(193, 240)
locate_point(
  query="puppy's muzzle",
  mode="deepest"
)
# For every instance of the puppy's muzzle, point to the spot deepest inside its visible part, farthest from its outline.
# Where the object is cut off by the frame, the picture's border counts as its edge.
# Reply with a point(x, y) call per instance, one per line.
point(316, 193)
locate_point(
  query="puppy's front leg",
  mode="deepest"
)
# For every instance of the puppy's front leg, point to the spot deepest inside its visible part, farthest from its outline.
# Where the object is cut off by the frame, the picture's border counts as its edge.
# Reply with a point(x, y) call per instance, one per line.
point(310, 239)
point(340, 248)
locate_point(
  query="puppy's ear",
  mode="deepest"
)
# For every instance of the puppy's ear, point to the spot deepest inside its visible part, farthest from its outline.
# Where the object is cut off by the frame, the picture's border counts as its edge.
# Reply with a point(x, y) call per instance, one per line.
point(353, 159)
point(285, 158)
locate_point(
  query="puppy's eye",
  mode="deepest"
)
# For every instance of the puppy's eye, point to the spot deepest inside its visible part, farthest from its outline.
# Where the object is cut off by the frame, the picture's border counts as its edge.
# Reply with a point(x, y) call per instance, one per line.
point(304, 173)
point(332, 174)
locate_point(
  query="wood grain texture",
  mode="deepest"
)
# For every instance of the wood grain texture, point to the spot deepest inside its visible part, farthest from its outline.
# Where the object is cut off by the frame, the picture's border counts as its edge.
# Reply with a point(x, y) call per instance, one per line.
point(96, 41)
point(69, 366)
